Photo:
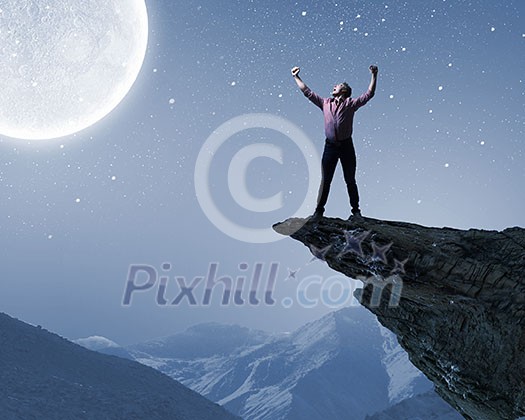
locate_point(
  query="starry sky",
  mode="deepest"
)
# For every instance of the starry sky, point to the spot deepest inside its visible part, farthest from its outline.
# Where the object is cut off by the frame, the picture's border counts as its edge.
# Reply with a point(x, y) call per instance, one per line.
point(440, 144)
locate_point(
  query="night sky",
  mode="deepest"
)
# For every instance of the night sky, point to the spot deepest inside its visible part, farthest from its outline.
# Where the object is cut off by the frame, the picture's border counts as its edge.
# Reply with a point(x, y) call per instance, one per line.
point(440, 144)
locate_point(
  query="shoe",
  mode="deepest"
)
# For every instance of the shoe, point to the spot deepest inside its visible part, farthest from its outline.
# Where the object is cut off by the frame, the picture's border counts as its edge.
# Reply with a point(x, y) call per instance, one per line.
point(355, 216)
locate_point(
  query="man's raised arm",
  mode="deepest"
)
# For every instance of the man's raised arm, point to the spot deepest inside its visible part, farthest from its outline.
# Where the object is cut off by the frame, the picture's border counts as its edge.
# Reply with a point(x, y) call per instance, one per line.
point(300, 83)
point(373, 81)
point(314, 97)
point(369, 94)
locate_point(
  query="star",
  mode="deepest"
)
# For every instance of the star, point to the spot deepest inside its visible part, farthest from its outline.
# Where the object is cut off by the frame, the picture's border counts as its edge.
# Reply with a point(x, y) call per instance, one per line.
point(319, 253)
point(353, 243)
point(379, 252)
point(399, 266)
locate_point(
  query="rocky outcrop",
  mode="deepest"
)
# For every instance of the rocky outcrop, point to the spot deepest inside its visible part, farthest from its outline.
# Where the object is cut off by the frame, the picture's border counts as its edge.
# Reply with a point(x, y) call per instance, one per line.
point(454, 298)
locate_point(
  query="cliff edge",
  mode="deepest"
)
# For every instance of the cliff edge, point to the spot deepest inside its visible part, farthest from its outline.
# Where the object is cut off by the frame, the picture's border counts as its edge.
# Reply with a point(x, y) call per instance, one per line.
point(454, 298)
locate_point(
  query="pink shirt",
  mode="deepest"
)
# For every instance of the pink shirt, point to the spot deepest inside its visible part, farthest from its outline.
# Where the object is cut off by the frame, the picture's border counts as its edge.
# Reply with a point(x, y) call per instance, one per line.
point(338, 119)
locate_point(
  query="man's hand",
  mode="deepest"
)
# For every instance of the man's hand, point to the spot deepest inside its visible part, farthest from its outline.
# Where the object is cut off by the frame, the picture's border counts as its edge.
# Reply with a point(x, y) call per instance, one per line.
point(373, 79)
point(300, 83)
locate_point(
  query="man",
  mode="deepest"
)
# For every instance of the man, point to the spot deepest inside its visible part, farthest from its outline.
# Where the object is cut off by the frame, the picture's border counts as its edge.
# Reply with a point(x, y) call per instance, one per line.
point(338, 121)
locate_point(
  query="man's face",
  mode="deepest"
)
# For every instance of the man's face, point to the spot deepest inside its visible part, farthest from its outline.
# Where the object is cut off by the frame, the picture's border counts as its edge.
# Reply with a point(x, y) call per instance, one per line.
point(338, 90)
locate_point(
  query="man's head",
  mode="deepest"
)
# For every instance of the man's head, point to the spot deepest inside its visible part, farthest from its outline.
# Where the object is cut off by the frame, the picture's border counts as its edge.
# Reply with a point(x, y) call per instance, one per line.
point(342, 89)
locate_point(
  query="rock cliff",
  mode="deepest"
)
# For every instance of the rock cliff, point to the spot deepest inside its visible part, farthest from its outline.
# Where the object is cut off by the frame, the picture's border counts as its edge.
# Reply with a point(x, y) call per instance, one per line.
point(454, 298)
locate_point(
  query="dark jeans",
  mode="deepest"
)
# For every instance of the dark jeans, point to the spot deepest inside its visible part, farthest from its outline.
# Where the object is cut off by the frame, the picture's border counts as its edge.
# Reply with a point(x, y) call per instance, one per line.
point(333, 152)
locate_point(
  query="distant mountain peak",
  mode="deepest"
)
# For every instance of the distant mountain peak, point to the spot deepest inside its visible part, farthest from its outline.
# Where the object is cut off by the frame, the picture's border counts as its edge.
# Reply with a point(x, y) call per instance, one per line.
point(202, 340)
point(96, 342)
point(303, 374)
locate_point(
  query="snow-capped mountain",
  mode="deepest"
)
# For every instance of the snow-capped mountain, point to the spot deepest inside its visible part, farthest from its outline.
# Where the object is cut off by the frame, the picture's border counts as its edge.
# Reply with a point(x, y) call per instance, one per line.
point(342, 366)
point(44, 376)
point(103, 345)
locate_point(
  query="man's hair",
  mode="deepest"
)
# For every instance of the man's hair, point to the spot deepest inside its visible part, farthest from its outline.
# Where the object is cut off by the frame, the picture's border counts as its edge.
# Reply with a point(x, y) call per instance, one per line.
point(347, 89)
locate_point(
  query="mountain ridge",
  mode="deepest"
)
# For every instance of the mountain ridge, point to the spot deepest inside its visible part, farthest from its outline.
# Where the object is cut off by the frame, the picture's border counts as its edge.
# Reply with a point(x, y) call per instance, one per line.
point(46, 376)
point(302, 374)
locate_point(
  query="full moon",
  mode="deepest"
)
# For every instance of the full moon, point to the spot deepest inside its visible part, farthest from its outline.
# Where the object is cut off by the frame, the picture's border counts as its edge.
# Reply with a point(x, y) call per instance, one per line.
point(66, 64)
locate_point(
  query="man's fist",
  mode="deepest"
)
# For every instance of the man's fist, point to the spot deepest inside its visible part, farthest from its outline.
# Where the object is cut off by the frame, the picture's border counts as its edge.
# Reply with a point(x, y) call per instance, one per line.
point(295, 71)
point(373, 69)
